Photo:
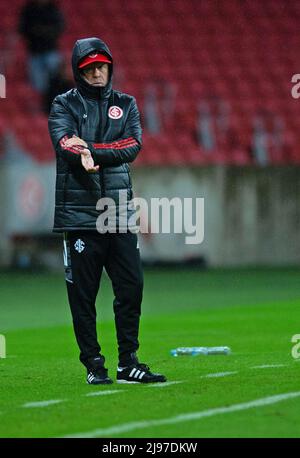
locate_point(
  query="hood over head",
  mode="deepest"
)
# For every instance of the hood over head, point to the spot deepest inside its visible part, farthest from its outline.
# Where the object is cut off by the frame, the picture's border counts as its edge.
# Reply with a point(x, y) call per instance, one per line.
point(81, 49)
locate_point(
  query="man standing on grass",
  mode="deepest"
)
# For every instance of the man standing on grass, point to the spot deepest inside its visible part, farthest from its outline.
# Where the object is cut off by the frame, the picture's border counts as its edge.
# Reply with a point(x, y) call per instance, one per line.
point(96, 132)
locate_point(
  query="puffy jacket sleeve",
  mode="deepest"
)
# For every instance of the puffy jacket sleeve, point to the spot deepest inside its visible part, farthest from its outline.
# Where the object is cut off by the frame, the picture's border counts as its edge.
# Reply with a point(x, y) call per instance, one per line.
point(62, 125)
point(124, 149)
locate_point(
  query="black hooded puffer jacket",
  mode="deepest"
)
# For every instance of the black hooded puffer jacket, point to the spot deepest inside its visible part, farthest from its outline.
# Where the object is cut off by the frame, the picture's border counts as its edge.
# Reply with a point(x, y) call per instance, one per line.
point(109, 122)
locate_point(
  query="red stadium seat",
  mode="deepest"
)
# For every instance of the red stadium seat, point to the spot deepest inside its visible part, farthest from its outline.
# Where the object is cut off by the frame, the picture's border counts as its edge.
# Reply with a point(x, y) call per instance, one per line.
point(242, 53)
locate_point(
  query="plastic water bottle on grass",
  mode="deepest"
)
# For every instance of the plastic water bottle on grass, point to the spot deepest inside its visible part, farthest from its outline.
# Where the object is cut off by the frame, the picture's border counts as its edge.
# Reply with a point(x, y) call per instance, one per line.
point(195, 351)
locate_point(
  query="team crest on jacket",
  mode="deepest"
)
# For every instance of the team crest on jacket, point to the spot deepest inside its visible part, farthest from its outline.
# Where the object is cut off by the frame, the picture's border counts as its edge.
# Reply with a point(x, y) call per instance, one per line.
point(115, 112)
point(79, 245)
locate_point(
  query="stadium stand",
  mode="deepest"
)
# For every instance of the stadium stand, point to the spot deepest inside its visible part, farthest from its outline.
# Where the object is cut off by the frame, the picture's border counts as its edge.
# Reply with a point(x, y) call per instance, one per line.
point(238, 53)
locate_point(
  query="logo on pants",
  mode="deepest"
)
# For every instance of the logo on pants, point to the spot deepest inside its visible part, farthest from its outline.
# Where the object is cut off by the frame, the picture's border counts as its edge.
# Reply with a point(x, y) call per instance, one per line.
point(79, 245)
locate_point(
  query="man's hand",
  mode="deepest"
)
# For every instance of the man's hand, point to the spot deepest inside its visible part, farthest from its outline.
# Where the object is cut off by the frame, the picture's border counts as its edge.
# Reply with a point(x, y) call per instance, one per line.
point(75, 141)
point(88, 162)
point(86, 158)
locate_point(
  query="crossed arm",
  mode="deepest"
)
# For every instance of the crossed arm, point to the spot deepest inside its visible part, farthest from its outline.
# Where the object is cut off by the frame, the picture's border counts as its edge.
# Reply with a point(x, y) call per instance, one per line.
point(78, 146)
point(64, 134)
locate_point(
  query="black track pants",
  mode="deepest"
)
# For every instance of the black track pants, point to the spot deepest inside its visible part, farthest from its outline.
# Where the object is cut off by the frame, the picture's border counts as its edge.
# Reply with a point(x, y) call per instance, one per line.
point(85, 255)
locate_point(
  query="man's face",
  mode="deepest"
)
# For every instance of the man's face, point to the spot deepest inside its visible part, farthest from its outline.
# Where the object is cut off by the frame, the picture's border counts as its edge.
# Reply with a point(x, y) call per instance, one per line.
point(96, 74)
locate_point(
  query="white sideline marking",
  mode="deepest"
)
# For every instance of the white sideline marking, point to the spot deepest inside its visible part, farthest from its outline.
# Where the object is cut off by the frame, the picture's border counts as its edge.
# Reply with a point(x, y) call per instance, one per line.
point(103, 393)
point(266, 366)
point(162, 384)
point(219, 374)
point(42, 403)
point(125, 427)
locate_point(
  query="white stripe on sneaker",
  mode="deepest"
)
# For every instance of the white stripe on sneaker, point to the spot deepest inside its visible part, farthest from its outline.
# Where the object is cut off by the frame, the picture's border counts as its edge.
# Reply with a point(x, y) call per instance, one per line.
point(137, 374)
point(132, 372)
point(90, 377)
point(141, 375)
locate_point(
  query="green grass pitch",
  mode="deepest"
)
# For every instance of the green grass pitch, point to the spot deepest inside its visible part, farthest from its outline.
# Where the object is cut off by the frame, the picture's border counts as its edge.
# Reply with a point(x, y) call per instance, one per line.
point(255, 312)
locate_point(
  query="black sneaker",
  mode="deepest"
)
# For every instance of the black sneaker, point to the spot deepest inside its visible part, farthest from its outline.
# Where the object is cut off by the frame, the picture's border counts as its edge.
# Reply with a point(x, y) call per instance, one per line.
point(98, 377)
point(97, 373)
point(138, 373)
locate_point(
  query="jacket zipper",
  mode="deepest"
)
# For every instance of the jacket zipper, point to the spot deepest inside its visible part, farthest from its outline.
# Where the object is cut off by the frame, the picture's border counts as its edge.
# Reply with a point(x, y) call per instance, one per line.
point(102, 187)
point(100, 173)
point(102, 108)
